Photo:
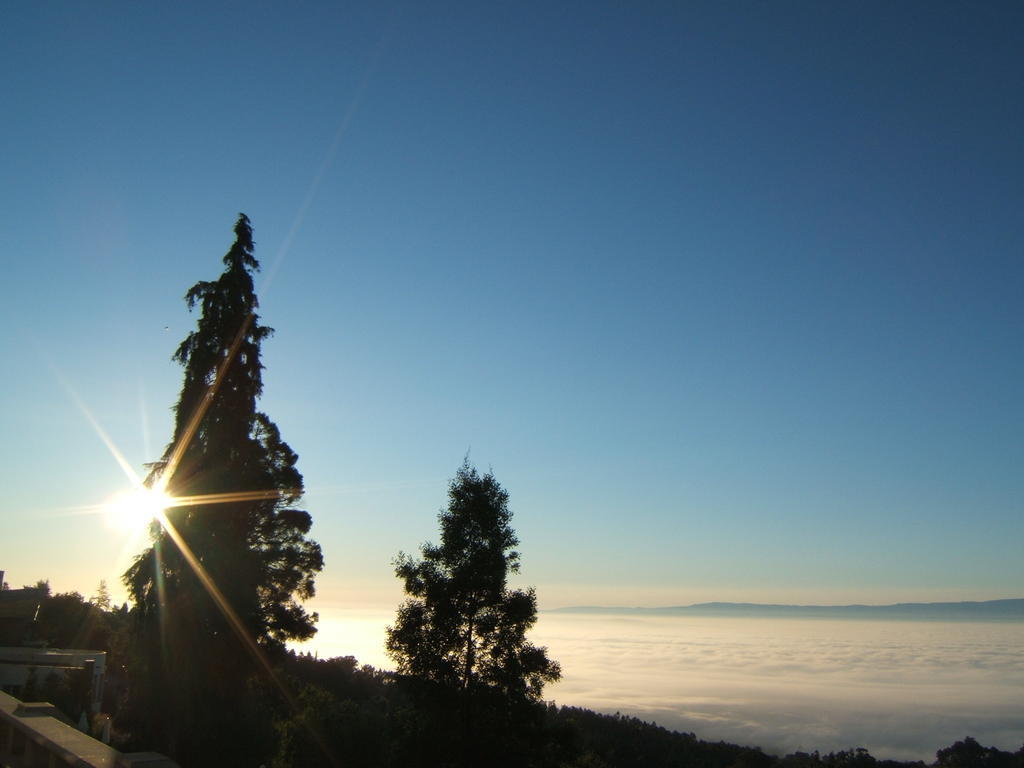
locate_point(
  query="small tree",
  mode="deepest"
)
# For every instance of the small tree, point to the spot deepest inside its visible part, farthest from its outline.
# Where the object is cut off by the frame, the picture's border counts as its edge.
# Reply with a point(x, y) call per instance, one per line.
point(102, 597)
point(462, 627)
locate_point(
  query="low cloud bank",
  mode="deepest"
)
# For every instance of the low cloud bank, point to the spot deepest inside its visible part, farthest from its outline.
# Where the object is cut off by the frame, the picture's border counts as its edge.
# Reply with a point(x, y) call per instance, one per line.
point(900, 689)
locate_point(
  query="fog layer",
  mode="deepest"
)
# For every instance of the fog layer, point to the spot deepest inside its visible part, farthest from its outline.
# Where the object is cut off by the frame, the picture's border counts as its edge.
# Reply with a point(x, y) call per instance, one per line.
point(903, 689)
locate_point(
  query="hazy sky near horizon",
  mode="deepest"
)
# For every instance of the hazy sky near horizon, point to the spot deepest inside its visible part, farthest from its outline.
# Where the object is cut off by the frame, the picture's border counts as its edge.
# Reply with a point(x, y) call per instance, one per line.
point(728, 295)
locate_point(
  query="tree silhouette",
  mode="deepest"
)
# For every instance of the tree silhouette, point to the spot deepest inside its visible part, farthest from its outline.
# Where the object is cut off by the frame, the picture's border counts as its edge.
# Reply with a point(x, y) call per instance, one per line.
point(249, 540)
point(462, 626)
point(102, 597)
point(459, 640)
point(970, 754)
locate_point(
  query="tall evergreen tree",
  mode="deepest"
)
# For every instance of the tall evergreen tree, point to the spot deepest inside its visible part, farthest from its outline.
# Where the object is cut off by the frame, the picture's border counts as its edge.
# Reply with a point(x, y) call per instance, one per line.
point(250, 540)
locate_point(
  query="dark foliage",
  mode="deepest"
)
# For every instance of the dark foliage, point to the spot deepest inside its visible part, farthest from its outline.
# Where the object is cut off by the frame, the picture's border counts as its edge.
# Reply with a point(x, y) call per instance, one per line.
point(617, 741)
point(66, 620)
point(970, 754)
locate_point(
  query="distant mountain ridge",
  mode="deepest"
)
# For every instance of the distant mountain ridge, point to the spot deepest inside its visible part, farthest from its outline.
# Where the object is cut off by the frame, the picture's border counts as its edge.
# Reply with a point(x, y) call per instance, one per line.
point(987, 610)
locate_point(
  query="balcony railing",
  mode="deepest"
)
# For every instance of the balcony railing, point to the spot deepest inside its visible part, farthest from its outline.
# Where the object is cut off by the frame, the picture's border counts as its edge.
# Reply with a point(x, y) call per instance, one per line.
point(32, 737)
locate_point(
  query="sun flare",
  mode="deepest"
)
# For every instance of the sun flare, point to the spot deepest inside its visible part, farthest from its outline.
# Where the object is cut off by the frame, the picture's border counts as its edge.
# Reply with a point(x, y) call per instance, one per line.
point(133, 510)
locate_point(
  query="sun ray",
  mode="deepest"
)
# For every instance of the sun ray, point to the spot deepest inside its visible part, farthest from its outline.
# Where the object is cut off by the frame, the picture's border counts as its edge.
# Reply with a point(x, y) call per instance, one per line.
point(229, 497)
point(234, 621)
point(100, 432)
point(161, 596)
point(210, 586)
point(325, 164)
point(185, 439)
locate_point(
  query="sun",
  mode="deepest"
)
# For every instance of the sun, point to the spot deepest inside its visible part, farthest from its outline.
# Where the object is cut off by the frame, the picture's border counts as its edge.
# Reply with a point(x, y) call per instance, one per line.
point(131, 511)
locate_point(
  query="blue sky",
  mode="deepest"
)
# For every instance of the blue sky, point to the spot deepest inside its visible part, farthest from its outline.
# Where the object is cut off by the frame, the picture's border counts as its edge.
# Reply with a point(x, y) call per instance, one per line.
point(728, 295)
